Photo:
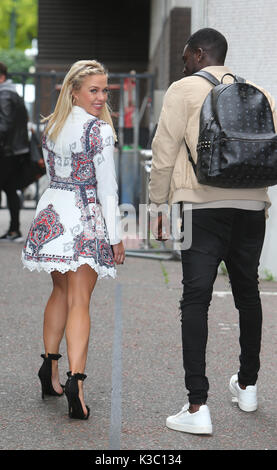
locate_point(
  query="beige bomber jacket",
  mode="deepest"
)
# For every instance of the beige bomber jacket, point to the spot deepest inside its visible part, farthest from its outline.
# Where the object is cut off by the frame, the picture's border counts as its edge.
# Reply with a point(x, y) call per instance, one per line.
point(172, 178)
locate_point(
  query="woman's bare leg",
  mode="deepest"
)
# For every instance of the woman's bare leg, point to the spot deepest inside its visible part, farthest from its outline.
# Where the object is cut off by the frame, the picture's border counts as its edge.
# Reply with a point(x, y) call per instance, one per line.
point(55, 316)
point(80, 287)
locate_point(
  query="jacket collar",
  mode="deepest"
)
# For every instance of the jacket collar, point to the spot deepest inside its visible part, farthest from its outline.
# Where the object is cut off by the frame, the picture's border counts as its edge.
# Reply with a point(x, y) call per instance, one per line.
point(217, 70)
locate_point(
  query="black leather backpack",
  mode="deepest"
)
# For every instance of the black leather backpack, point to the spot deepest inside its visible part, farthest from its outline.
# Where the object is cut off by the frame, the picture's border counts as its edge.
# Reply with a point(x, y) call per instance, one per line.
point(237, 146)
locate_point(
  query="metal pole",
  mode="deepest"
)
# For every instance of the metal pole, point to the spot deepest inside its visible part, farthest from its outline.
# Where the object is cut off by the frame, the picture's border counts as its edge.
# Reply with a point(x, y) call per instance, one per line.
point(120, 136)
point(136, 138)
point(53, 90)
point(13, 25)
point(151, 111)
point(38, 97)
point(23, 86)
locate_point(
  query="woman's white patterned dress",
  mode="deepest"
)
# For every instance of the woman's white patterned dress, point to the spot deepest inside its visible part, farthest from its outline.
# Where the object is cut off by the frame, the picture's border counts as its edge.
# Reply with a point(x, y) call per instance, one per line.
point(77, 218)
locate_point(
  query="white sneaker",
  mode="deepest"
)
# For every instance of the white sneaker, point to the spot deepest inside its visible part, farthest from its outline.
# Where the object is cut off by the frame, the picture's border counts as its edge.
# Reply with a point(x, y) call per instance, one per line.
point(247, 399)
point(195, 423)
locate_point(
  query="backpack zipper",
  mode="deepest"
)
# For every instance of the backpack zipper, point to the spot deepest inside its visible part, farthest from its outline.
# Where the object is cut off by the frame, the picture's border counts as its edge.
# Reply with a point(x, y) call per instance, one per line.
point(240, 139)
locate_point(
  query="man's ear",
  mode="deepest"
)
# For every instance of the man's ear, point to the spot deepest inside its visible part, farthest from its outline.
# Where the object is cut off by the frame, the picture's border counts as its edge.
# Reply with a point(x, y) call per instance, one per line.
point(200, 54)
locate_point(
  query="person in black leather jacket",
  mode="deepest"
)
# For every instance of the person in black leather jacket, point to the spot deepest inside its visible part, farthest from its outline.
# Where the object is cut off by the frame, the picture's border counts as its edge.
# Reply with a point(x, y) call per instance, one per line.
point(14, 146)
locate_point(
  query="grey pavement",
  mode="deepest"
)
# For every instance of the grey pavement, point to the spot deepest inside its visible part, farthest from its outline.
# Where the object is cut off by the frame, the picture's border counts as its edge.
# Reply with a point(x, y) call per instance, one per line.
point(135, 376)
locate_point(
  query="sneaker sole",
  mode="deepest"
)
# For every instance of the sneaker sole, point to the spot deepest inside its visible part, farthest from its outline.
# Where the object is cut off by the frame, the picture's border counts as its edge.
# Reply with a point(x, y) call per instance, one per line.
point(190, 428)
point(241, 405)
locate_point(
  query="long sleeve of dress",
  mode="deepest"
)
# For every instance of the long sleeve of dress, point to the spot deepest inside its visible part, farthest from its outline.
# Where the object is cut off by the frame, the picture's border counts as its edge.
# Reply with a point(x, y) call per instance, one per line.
point(107, 189)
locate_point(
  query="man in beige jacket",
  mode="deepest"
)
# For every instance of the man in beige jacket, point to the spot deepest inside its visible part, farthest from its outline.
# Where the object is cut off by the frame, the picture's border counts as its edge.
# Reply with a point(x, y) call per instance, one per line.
point(227, 224)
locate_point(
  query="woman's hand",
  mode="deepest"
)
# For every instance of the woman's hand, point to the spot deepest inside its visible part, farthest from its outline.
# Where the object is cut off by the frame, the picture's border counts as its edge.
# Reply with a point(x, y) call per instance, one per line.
point(118, 253)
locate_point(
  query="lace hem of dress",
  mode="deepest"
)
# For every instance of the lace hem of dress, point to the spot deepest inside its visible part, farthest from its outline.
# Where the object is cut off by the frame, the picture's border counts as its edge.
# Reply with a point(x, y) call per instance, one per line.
point(102, 271)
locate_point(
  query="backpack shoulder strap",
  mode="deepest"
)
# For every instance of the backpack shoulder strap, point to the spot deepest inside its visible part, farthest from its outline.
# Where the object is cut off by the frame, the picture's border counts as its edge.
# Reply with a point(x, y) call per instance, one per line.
point(208, 76)
point(190, 157)
point(240, 79)
point(213, 80)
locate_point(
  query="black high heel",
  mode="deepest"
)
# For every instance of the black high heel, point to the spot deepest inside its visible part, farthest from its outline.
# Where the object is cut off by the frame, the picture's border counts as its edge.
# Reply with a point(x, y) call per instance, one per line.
point(45, 375)
point(75, 409)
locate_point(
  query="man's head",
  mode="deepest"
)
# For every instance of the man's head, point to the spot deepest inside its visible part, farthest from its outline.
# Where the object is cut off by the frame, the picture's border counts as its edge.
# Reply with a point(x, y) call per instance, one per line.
point(3, 72)
point(205, 47)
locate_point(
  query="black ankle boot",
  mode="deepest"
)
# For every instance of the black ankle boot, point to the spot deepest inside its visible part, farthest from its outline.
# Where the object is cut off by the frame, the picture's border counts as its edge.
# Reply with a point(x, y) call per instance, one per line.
point(45, 375)
point(75, 409)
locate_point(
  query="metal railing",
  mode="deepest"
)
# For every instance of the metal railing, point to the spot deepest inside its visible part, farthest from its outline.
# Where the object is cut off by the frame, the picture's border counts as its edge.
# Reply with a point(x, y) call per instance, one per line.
point(148, 247)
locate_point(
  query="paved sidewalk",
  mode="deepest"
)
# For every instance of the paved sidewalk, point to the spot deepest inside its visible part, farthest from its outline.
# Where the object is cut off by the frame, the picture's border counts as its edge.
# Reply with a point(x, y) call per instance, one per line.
point(135, 375)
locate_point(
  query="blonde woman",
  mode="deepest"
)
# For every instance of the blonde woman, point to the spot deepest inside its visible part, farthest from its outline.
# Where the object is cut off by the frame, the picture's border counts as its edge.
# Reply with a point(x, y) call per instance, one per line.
point(75, 234)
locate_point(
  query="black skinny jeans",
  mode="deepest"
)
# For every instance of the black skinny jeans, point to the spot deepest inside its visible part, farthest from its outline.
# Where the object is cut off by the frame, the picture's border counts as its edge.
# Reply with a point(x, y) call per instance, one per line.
point(235, 236)
point(10, 166)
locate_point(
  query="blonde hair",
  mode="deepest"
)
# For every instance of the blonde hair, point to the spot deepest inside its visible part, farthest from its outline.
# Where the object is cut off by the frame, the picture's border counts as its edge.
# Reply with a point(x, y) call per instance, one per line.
point(73, 81)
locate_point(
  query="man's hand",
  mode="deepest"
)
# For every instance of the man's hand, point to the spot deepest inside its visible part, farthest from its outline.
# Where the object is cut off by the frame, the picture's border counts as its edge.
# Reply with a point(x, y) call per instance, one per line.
point(118, 253)
point(160, 228)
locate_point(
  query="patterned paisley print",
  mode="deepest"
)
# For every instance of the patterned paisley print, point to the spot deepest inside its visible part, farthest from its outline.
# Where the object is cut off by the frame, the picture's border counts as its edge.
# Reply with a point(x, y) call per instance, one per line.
point(69, 228)
point(45, 228)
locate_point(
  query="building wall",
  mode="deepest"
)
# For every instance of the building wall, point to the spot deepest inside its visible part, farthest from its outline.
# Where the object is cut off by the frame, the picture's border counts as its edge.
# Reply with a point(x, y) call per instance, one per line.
point(160, 11)
point(115, 33)
point(250, 29)
point(248, 25)
point(170, 27)
point(166, 60)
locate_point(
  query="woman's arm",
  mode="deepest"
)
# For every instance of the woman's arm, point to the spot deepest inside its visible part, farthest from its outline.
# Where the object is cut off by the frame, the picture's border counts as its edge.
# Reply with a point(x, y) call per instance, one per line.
point(107, 189)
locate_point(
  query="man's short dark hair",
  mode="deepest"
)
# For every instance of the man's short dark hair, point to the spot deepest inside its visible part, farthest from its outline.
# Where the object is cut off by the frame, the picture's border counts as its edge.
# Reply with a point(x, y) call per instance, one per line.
point(3, 69)
point(211, 41)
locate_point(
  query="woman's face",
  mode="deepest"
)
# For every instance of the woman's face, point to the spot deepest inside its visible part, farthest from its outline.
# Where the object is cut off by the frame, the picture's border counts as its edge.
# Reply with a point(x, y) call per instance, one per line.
point(93, 94)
